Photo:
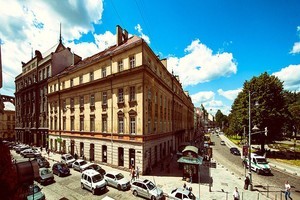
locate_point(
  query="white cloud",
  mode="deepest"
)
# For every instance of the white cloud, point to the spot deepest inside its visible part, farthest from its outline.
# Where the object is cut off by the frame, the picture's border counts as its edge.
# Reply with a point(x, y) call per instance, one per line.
point(296, 48)
point(202, 97)
point(34, 25)
point(229, 94)
point(200, 65)
point(290, 77)
point(142, 35)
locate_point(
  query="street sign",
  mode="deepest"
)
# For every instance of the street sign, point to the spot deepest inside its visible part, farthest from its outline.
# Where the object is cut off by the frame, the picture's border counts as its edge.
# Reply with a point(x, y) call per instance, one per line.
point(245, 150)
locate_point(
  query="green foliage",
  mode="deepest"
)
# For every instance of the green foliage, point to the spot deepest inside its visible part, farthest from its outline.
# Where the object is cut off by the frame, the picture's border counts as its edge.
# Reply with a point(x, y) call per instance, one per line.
point(221, 120)
point(271, 111)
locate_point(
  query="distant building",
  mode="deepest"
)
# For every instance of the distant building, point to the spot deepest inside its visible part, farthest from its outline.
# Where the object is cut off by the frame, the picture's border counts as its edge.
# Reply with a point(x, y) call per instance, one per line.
point(32, 89)
point(120, 106)
point(7, 123)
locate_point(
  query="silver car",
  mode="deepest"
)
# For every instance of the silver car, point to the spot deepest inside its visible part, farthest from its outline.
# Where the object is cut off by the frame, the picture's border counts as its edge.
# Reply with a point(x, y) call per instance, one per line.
point(147, 189)
point(117, 180)
point(80, 165)
point(67, 159)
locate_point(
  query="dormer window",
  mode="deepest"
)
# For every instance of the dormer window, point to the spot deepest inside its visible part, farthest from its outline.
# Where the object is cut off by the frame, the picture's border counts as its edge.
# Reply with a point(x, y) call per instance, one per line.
point(120, 65)
point(132, 61)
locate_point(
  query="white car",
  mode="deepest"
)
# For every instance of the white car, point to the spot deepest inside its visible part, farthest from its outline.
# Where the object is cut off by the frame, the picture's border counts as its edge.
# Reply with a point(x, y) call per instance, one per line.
point(93, 181)
point(67, 159)
point(30, 153)
point(117, 180)
point(80, 165)
point(182, 194)
point(147, 189)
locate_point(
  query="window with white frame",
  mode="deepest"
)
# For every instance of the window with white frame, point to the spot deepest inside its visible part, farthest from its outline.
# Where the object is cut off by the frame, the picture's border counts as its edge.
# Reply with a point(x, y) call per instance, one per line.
point(132, 61)
point(103, 72)
point(120, 95)
point(132, 125)
point(91, 76)
point(72, 103)
point(132, 93)
point(120, 124)
point(120, 65)
point(92, 100)
point(80, 79)
point(81, 101)
point(71, 83)
point(104, 124)
point(81, 123)
point(104, 98)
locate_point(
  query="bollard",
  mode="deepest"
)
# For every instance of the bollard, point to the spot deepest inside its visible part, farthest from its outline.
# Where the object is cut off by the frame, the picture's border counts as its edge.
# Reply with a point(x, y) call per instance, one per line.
point(267, 190)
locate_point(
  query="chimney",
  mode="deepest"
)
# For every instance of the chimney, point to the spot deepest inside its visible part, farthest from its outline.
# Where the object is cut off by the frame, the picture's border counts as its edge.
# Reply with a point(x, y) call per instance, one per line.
point(119, 35)
point(125, 35)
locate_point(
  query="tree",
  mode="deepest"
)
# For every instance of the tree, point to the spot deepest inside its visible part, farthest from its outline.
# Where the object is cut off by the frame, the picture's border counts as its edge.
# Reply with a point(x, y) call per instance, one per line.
point(267, 91)
point(221, 119)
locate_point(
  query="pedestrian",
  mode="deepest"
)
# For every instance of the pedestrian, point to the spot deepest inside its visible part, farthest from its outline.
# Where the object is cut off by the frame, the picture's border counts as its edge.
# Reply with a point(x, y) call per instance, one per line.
point(287, 192)
point(236, 194)
point(247, 182)
point(184, 186)
point(133, 175)
point(137, 172)
point(48, 152)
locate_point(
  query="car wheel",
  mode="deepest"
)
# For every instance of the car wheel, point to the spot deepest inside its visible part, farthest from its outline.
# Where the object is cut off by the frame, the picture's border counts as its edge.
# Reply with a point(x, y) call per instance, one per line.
point(82, 187)
point(119, 187)
point(93, 191)
point(135, 193)
point(153, 198)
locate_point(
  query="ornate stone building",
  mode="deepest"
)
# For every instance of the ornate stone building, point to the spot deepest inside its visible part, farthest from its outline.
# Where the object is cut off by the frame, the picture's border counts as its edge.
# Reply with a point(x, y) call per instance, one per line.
point(120, 106)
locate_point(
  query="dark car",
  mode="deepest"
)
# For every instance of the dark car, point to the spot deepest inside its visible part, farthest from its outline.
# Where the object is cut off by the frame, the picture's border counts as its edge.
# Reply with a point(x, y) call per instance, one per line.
point(42, 162)
point(235, 151)
point(97, 168)
point(60, 169)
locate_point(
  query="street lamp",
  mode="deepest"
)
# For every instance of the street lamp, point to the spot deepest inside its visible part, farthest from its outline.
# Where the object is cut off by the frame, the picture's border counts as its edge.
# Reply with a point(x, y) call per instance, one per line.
point(249, 152)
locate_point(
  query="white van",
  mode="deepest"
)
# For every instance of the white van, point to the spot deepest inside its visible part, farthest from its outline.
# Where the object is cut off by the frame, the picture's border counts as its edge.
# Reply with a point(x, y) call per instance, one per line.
point(259, 164)
point(93, 181)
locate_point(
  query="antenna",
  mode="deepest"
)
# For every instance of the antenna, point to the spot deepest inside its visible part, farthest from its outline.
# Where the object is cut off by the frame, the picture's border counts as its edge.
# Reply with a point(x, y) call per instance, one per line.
point(59, 32)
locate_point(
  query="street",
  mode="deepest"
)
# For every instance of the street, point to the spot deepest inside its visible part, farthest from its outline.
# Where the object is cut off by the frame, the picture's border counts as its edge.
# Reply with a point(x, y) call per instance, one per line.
point(275, 181)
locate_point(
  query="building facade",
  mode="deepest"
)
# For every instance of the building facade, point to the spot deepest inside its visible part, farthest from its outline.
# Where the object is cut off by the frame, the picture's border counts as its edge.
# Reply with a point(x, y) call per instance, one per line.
point(7, 125)
point(120, 106)
point(31, 93)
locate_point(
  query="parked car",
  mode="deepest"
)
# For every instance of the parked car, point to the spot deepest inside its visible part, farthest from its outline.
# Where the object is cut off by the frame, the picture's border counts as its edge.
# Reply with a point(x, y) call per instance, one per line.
point(42, 162)
point(68, 159)
point(146, 189)
point(21, 148)
point(60, 169)
point(235, 151)
point(45, 176)
point(117, 179)
point(35, 193)
point(79, 165)
point(222, 142)
point(182, 194)
point(30, 153)
point(96, 167)
point(93, 181)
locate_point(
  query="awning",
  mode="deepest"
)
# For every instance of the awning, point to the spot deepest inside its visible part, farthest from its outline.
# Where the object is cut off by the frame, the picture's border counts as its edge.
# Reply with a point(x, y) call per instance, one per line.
point(190, 160)
point(191, 148)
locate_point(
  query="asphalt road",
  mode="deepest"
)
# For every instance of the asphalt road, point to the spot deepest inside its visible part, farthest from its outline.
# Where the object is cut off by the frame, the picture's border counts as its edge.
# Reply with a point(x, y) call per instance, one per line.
point(273, 183)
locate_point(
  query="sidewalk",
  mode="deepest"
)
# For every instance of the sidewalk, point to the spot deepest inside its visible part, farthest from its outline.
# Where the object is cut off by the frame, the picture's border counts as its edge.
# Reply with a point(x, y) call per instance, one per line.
point(272, 162)
point(223, 186)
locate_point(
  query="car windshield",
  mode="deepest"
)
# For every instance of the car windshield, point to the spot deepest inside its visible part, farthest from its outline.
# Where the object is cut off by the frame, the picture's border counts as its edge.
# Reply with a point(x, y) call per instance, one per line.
point(119, 176)
point(150, 185)
point(69, 157)
point(45, 171)
point(35, 188)
point(97, 178)
point(82, 162)
point(261, 161)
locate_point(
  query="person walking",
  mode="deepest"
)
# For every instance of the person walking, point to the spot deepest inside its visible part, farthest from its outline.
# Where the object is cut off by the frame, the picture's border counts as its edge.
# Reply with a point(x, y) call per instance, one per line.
point(287, 192)
point(132, 175)
point(236, 194)
point(247, 182)
point(137, 172)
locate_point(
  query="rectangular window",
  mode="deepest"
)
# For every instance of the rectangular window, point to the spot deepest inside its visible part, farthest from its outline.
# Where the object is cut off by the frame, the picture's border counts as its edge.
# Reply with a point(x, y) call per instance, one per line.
point(80, 79)
point(72, 103)
point(71, 83)
point(63, 85)
point(104, 124)
point(120, 65)
point(55, 123)
point(91, 76)
point(120, 95)
point(120, 124)
point(104, 98)
point(132, 62)
point(92, 123)
point(104, 72)
point(51, 123)
point(48, 71)
point(81, 123)
point(81, 101)
point(64, 123)
point(92, 100)
point(132, 94)
point(72, 123)
point(132, 125)
point(64, 105)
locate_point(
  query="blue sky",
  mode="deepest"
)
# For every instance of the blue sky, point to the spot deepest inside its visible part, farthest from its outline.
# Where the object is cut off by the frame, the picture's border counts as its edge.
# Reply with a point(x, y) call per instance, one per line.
point(214, 46)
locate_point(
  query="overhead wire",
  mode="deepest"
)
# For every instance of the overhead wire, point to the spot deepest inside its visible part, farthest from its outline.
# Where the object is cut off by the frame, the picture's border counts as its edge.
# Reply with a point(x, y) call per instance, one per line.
point(117, 13)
